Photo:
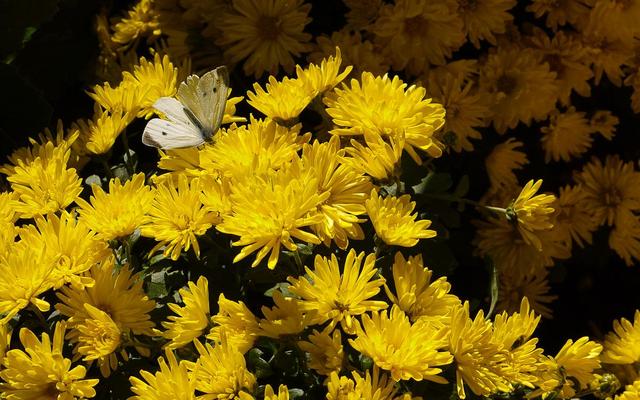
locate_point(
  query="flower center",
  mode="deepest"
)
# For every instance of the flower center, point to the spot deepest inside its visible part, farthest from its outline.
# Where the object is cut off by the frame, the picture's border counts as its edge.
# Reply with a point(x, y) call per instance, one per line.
point(506, 84)
point(555, 63)
point(415, 26)
point(467, 5)
point(613, 197)
point(268, 28)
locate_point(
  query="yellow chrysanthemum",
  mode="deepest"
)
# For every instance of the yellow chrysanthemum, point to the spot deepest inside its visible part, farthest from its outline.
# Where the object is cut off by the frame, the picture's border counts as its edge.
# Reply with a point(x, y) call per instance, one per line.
point(221, 372)
point(355, 50)
point(286, 317)
point(319, 79)
point(515, 287)
point(25, 274)
point(480, 361)
point(283, 393)
point(567, 136)
point(44, 184)
point(347, 190)
point(419, 33)
point(374, 385)
point(521, 84)
point(98, 338)
point(68, 246)
point(191, 320)
point(339, 297)
point(394, 222)
point(105, 129)
point(612, 188)
point(141, 21)
point(533, 212)
point(615, 19)
point(340, 387)
point(158, 78)
point(119, 212)
point(577, 360)
point(631, 392)
point(258, 148)
point(418, 348)
point(5, 339)
point(572, 218)
point(624, 239)
point(42, 372)
point(268, 34)
point(502, 161)
point(622, 346)
point(416, 295)
point(559, 12)
point(282, 101)
point(387, 107)
point(173, 381)
point(380, 158)
point(8, 216)
point(325, 350)
point(482, 19)
point(176, 217)
point(605, 123)
point(362, 13)
point(237, 322)
point(270, 212)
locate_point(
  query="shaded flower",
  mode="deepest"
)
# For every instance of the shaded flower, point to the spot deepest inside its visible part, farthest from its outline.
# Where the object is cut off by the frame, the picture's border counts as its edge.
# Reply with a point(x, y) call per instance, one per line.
point(325, 350)
point(190, 320)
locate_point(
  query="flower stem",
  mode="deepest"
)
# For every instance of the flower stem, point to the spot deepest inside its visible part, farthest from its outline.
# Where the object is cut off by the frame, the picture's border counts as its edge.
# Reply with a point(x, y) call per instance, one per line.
point(448, 197)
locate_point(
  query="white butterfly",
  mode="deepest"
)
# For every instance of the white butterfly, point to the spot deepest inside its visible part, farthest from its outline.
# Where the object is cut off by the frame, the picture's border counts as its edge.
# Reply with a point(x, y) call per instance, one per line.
point(194, 117)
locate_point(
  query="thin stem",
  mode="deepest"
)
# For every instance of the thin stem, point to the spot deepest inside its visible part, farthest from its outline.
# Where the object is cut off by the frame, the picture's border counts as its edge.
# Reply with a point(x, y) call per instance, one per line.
point(39, 315)
point(107, 168)
point(127, 160)
point(296, 257)
point(448, 197)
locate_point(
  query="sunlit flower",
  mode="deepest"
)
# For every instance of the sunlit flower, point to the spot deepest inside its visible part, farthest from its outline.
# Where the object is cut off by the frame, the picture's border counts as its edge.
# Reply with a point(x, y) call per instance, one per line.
point(104, 131)
point(176, 217)
point(387, 107)
point(119, 212)
point(283, 100)
point(522, 85)
point(325, 351)
point(267, 34)
point(283, 393)
point(631, 392)
point(190, 320)
point(286, 317)
point(158, 78)
point(622, 346)
point(173, 380)
point(42, 372)
point(380, 158)
point(318, 79)
point(356, 51)
point(221, 371)
point(484, 18)
point(419, 33)
point(125, 99)
point(577, 360)
point(98, 339)
point(141, 21)
point(416, 294)
point(339, 296)
point(394, 222)
point(237, 322)
point(612, 188)
point(567, 136)
point(418, 348)
point(5, 339)
point(503, 160)
point(533, 212)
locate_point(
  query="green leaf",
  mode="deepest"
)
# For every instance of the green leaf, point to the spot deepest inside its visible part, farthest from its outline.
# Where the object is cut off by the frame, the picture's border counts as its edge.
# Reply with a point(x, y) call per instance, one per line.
point(493, 289)
point(434, 182)
point(259, 365)
point(19, 20)
point(295, 393)
point(462, 188)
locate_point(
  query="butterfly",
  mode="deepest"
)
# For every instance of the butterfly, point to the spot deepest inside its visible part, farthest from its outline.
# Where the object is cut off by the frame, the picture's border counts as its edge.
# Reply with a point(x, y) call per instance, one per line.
point(194, 116)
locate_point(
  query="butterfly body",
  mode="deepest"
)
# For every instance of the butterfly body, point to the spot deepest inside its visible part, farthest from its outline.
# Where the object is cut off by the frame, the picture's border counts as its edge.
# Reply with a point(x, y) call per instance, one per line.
point(194, 116)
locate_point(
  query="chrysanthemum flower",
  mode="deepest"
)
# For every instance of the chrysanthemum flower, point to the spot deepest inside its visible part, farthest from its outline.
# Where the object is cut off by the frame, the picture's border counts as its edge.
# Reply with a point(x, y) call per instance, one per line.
point(394, 222)
point(502, 161)
point(282, 101)
point(68, 246)
point(380, 158)
point(25, 274)
point(339, 297)
point(318, 79)
point(418, 348)
point(119, 212)
point(567, 136)
point(631, 392)
point(513, 287)
point(416, 295)
point(42, 372)
point(104, 131)
point(258, 148)
point(176, 217)
point(5, 339)
point(119, 295)
point(572, 218)
point(192, 319)
point(141, 21)
point(98, 339)
point(286, 317)
point(237, 322)
point(325, 350)
point(158, 78)
point(8, 216)
point(559, 13)
point(522, 85)
point(124, 99)
point(221, 372)
point(339, 387)
point(382, 105)
point(466, 109)
point(622, 346)
point(268, 34)
point(283, 393)
point(173, 380)
point(577, 360)
point(362, 13)
point(607, 56)
point(355, 50)
point(481, 362)
point(44, 185)
point(533, 212)
point(624, 239)
point(347, 188)
point(484, 18)
point(615, 19)
point(270, 212)
point(612, 188)
point(605, 123)
point(419, 33)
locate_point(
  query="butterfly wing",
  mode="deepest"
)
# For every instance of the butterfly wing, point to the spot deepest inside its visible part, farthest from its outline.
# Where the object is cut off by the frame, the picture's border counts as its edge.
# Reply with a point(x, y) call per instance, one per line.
point(168, 135)
point(205, 98)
